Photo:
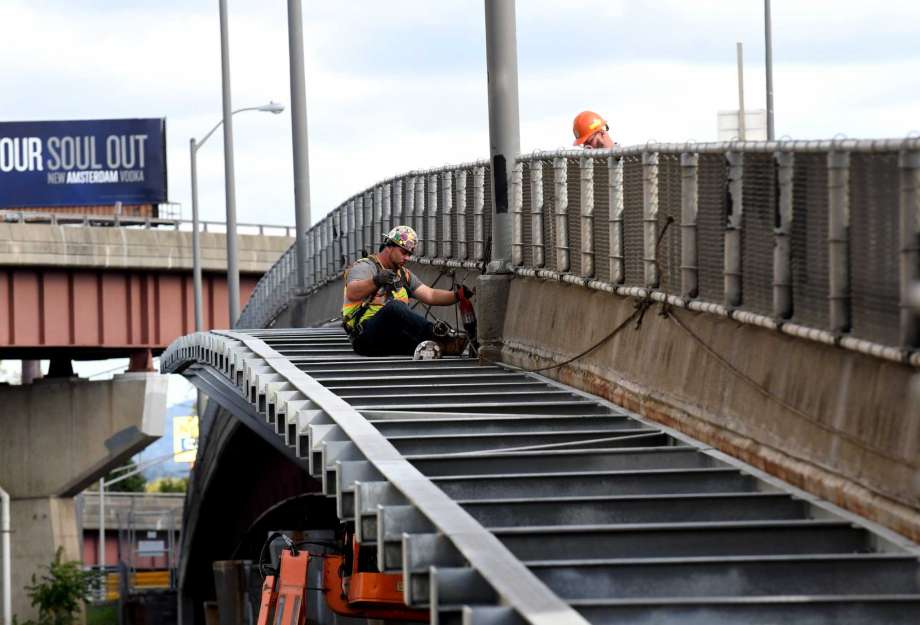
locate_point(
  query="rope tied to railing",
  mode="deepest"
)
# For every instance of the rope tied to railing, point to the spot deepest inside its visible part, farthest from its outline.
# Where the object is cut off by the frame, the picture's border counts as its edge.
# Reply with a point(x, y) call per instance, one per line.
point(639, 309)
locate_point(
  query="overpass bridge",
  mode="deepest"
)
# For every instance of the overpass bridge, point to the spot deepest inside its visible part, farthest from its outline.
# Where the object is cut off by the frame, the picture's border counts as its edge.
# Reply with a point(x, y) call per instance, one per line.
point(84, 288)
point(692, 404)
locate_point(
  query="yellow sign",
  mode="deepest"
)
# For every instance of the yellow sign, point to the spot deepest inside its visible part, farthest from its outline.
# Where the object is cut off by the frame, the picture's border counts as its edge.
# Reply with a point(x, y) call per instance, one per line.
point(185, 438)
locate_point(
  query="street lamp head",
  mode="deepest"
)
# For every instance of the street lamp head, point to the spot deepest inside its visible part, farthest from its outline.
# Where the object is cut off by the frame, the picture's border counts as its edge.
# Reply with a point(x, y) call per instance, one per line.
point(272, 107)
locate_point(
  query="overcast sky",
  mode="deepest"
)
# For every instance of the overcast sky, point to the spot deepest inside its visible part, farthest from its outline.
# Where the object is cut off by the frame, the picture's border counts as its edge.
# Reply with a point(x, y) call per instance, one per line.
point(397, 85)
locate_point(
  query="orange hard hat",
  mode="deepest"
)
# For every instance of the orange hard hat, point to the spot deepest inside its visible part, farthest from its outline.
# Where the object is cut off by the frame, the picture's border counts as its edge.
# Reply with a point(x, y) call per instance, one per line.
point(586, 124)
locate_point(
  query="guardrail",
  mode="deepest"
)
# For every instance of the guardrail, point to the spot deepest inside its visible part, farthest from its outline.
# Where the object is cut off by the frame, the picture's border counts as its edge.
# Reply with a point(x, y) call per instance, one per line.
point(127, 221)
point(817, 239)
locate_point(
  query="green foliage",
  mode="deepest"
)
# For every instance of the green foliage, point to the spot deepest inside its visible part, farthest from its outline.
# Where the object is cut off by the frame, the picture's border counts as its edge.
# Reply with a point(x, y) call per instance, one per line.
point(104, 614)
point(60, 591)
point(133, 484)
point(169, 485)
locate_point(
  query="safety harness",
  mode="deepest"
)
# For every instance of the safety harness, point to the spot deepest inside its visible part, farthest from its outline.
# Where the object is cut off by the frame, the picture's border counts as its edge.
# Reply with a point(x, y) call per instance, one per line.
point(352, 321)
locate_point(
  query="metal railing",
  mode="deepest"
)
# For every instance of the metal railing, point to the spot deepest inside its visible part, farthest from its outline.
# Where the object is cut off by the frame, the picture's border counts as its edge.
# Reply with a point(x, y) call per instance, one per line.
point(817, 239)
point(127, 221)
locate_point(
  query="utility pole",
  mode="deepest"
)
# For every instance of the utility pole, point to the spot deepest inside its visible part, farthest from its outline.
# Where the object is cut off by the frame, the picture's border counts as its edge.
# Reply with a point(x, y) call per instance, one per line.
point(741, 121)
point(233, 269)
point(101, 557)
point(504, 122)
point(768, 37)
point(504, 146)
point(299, 138)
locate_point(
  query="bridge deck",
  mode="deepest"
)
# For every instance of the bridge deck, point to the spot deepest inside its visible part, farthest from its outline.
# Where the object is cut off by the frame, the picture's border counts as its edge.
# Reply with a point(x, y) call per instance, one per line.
point(602, 514)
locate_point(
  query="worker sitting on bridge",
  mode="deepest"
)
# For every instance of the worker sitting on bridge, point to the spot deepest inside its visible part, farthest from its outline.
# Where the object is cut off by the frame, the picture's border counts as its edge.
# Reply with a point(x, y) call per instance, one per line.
point(375, 307)
point(590, 131)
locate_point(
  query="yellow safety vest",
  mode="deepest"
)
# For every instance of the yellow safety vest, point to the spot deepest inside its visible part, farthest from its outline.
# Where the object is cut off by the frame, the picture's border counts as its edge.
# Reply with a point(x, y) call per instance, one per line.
point(354, 314)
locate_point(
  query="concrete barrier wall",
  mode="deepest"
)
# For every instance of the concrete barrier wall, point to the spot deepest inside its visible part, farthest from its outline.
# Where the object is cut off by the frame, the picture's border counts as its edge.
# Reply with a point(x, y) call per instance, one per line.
point(833, 422)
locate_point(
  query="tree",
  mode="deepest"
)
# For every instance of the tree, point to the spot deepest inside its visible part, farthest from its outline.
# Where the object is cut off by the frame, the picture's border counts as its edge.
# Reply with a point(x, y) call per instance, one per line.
point(133, 484)
point(168, 485)
point(60, 591)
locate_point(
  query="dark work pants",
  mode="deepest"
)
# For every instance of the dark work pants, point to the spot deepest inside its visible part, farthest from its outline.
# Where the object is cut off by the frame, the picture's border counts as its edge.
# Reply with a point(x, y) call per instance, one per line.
point(393, 331)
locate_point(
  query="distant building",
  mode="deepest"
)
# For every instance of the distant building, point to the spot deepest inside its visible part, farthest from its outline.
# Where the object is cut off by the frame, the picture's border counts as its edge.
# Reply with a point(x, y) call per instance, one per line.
point(141, 529)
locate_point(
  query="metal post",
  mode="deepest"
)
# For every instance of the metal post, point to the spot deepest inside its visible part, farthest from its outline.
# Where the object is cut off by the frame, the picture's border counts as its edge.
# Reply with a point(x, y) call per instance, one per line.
point(741, 121)
point(838, 238)
point(586, 184)
point(650, 217)
point(196, 238)
point(782, 250)
point(504, 124)
point(617, 210)
point(768, 45)
point(420, 212)
point(100, 562)
point(561, 206)
point(732, 254)
point(536, 216)
point(6, 567)
point(431, 210)
point(517, 217)
point(299, 136)
point(447, 195)
point(689, 206)
point(387, 207)
point(479, 201)
point(233, 271)
point(460, 190)
point(909, 162)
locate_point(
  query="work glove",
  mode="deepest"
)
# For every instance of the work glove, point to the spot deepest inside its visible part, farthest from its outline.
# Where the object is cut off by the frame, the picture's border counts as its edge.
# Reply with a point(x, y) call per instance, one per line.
point(467, 292)
point(385, 277)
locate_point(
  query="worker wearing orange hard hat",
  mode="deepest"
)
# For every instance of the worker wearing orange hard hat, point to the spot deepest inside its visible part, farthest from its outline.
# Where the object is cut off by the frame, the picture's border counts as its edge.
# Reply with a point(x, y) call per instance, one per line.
point(590, 130)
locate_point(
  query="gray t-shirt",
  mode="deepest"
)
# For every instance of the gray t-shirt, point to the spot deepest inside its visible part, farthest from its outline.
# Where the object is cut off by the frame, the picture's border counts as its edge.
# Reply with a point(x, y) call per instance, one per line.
point(364, 269)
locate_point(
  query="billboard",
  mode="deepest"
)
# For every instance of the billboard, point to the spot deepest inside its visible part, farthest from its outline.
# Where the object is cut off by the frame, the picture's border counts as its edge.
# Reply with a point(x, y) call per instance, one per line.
point(82, 163)
point(185, 438)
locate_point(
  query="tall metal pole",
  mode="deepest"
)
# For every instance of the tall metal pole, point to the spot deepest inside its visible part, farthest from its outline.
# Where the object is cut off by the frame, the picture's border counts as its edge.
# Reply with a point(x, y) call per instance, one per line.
point(504, 123)
point(196, 258)
point(741, 121)
point(101, 557)
point(196, 238)
point(768, 36)
point(6, 567)
point(233, 270)
point(299, 137)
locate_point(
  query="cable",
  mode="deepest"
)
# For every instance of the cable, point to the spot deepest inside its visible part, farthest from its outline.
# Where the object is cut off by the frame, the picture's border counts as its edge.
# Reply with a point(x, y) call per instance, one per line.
point(641, 307)
point(767, 394)
point(587, 441)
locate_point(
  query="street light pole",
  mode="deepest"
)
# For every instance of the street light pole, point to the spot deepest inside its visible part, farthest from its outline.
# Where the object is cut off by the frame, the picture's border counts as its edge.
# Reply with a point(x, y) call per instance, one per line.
point(299, 137)
point(504, 124)
point(196, 238)
point(272, 107)
point(233, 269)
point(768, 37)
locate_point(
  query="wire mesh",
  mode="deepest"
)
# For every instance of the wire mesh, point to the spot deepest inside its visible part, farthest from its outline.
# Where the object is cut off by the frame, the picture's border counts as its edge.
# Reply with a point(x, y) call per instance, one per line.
point(470, 217)
point(760, 206)
point(601, 219)
point(526, 220)
point(809, 241)
point(549, 215)
point(633, 199)
point(874, 243)
point(573, 214)
point(669, 205)
point(712, 191)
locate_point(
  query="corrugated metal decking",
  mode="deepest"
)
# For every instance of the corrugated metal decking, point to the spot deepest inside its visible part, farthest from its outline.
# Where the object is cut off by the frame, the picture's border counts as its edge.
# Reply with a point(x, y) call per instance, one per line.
point(597, 513)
